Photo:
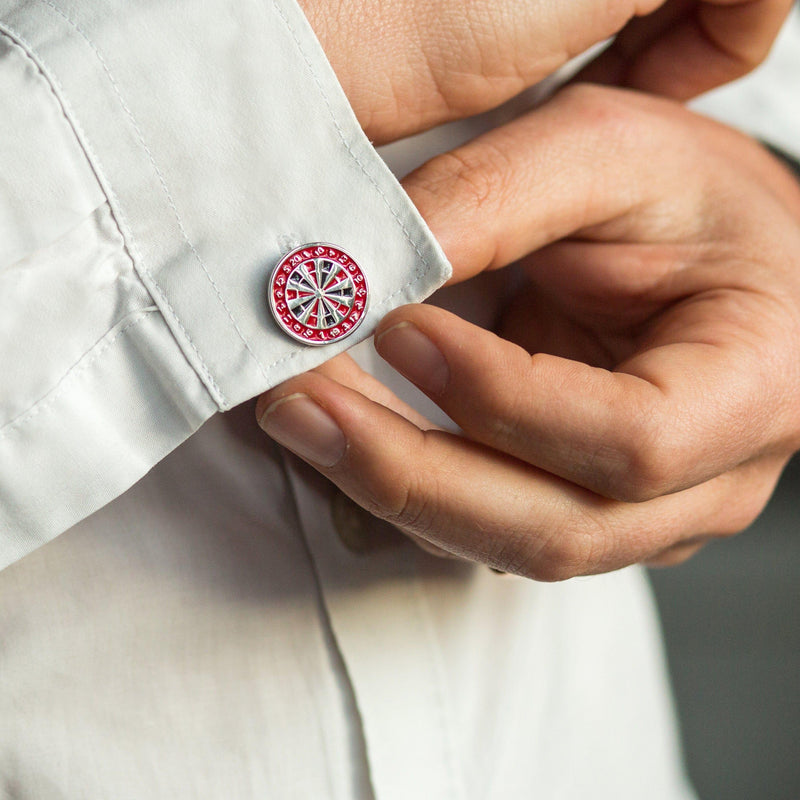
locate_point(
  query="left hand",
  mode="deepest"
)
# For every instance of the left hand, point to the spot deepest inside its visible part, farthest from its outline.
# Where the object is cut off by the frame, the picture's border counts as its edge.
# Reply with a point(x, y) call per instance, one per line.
point(662, 398)
point(686, 47)
point(407, 66)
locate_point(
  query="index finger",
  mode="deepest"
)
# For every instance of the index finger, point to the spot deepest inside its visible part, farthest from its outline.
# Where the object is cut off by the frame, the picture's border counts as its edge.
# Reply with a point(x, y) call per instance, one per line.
point(481, 504)
point(588, 156)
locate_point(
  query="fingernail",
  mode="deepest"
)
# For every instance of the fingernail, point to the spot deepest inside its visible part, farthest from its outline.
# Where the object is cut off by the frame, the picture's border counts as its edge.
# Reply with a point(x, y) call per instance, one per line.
point(298, 423)
point(415, 356)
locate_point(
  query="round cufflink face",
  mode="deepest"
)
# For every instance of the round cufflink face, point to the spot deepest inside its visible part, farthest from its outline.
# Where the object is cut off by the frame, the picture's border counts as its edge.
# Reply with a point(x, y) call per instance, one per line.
point(318, 294)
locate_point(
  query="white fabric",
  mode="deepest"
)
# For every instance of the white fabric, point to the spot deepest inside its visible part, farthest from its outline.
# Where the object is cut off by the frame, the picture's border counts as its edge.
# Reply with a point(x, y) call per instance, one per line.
point(207, 634)
point(207, 138)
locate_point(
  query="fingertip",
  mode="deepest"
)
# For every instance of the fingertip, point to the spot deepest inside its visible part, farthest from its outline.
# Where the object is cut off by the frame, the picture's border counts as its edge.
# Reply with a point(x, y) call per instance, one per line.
point(424, 315)
point(395, 317)
point(415, 356)
point(261, 406)
point(304, 427)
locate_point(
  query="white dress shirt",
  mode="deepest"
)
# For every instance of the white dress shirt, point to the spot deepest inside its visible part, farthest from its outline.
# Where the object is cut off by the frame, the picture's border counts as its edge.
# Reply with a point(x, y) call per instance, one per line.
point(214, 619)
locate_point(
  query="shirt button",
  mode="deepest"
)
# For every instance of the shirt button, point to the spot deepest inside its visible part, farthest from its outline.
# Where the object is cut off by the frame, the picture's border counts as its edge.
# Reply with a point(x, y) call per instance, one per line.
point(359, 531)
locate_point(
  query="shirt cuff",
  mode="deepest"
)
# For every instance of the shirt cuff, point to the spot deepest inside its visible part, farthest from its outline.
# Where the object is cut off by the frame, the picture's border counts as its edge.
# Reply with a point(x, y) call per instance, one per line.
point(220, 137)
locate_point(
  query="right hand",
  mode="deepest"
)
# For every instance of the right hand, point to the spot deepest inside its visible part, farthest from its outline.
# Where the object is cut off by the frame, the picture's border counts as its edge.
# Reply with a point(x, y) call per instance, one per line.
point(408, 65)
point(645, 394)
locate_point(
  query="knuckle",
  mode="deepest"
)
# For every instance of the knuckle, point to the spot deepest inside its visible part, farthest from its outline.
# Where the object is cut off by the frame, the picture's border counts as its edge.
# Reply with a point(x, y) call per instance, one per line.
point(471, 176)
point(744, 501)
point(383, 498)
point(555, 555)
point(745, 54)
point(410, 506)
point(648, 464)
point(571, 553)
point(511, 553)
point(500, 422)
point(646, 477)
point(554, 568)
point(609, 114)
point(500, 412)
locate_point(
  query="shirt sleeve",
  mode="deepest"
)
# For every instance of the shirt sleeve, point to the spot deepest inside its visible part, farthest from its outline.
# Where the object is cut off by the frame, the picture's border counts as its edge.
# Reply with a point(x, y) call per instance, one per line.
point(156, 161)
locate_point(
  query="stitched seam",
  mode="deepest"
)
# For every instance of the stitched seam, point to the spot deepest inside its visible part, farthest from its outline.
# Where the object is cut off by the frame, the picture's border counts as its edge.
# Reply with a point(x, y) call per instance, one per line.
point(347, 144)
point(20, 42)
point(385, 301)
point(284, 461)
point(439, 690)
point(161, 180)
point(46, 402)
point(204, 369)
point(419, 273)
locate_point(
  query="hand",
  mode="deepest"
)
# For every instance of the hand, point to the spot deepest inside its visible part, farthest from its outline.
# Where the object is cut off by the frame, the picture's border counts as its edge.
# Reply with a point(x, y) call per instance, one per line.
point(407, 66)
point(662, 309)
point(687, 47)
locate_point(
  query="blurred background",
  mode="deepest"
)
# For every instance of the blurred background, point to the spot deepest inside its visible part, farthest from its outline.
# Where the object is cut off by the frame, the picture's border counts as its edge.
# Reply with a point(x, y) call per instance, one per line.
point(731, 618)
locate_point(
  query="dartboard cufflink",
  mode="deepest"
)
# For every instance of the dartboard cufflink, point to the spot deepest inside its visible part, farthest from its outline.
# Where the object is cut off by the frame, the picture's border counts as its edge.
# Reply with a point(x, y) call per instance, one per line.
point(318, 294)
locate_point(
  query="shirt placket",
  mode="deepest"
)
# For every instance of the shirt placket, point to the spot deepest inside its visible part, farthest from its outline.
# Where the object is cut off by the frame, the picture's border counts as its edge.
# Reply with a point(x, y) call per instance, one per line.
point(378, 616)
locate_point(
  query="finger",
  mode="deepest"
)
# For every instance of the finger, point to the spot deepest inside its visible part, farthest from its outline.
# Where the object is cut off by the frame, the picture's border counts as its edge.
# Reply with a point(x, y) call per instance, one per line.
point(647, 429)
point(755, 481)
point(344, 370)
point(591, 163)
point(478, 503)
point(571, 169)
point(589, 156)
point(684, 49)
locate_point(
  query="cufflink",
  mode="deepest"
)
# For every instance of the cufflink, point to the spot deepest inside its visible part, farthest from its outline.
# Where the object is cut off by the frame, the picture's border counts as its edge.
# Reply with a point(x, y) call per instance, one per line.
point(318, 294)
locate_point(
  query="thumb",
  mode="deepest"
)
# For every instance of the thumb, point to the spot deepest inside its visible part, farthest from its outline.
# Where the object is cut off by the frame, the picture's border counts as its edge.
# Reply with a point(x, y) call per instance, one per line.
point(589, 156)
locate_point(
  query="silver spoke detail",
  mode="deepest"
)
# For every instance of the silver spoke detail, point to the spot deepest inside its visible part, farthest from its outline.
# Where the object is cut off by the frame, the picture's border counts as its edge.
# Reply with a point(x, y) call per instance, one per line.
point(330, 270)
point(300, 301)
point(307, 277)
point(344, 283)
point(331, 311)
point(343, 299)
point(323, 290)
point(307, 310)
point(301, 286)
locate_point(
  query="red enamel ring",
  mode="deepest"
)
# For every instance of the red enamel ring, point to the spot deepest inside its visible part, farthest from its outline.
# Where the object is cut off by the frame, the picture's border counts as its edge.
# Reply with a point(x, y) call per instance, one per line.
point(318, 293)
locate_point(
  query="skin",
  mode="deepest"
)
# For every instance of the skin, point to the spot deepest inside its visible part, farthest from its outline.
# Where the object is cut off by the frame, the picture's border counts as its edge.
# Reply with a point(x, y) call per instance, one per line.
point(407, 66)
point(641, 393)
